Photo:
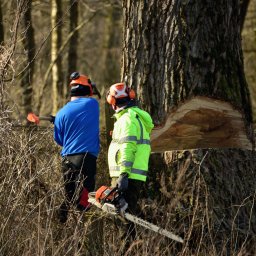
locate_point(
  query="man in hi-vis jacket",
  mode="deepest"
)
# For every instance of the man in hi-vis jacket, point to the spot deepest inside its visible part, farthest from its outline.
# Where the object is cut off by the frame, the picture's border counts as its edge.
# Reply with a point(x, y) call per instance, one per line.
point(129, 151)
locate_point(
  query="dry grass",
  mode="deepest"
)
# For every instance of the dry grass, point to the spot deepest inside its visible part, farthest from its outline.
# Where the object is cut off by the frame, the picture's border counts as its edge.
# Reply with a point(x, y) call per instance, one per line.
point(210, 208)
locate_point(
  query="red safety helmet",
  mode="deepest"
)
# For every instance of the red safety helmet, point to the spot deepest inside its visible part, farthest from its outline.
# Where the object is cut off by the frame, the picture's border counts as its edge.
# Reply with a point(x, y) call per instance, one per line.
point(119, 91)
point(77, 79)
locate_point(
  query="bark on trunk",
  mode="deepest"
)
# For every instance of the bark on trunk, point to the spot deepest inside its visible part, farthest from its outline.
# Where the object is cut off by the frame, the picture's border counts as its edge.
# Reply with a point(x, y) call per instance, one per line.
point(244, 7)
point(177, 53)
point(174, 51)
point(29, 49)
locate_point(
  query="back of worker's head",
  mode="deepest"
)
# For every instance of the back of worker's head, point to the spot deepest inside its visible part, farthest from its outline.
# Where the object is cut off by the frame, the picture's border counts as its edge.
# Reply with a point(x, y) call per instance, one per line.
point(80, 85)
point(120, 95)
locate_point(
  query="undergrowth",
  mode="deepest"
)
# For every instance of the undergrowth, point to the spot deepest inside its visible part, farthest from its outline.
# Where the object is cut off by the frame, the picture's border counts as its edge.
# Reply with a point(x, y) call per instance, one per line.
point(194, 196)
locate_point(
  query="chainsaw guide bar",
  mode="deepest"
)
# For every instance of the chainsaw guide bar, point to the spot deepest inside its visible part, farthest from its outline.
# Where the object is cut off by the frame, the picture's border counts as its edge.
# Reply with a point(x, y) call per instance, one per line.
point(111, 209)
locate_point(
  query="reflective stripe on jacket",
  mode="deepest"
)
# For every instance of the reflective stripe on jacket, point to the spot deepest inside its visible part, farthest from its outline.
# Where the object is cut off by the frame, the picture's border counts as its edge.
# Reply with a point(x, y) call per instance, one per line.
point(130, 146)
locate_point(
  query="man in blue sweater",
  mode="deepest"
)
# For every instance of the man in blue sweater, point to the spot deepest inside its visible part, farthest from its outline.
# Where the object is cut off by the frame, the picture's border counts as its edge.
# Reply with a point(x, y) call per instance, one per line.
point(76, 129)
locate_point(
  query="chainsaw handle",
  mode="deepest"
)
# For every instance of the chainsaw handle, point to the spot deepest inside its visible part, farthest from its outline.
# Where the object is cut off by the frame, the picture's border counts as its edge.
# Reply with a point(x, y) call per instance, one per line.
point(109, 193)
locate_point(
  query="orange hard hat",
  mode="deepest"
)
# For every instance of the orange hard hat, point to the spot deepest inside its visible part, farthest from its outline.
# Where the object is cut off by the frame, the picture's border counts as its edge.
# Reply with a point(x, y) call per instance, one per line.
point(77, 79)
point(119, 91)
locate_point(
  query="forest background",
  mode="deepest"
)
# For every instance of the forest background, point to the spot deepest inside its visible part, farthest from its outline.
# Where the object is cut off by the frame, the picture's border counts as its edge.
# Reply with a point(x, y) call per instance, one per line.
point(42, 42)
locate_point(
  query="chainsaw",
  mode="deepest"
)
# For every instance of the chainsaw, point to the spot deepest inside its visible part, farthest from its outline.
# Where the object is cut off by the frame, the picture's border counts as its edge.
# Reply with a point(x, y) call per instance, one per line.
point(33, 118)
point(111, 201)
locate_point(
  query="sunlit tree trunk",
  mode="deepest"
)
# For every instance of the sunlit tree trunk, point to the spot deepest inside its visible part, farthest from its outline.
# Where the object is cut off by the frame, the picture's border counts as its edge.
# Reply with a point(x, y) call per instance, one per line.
point(184, 53)
point(57, 91)
point(72, 51)
point(29, 49)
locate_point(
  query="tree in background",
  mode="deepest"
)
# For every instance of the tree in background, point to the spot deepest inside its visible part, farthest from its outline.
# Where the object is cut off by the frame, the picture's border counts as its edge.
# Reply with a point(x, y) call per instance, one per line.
point(112, 59)
point(72, 50)
point(29, 50)
point(57, 91)
point(185, 58)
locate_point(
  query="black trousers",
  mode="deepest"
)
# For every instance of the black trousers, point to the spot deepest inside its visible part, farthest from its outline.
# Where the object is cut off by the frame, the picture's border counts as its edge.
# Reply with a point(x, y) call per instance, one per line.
point(79, 173)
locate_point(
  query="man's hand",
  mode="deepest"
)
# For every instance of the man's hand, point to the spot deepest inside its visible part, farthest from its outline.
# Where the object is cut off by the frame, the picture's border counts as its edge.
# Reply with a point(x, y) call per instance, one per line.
point(121, 205)
point(122, 182)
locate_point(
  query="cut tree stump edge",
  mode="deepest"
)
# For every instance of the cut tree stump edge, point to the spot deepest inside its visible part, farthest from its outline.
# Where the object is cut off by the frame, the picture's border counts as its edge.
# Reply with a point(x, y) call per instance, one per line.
point(201, 122)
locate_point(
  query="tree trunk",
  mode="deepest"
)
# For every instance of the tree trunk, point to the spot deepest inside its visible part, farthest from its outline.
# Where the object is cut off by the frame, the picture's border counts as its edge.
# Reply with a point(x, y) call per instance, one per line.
point(112, 62)
point(178, 55)
point(243, 11)
point(29, 49)
point(174, 51)
point(57, 92)
point(1, 26)
point(72, 51)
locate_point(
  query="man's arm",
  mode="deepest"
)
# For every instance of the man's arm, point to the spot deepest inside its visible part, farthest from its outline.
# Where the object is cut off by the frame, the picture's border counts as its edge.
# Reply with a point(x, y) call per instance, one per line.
point(58, 137)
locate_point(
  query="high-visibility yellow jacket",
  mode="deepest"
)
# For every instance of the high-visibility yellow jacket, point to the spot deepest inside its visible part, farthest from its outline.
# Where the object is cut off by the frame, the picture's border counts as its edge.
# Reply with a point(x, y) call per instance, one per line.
point(130, 146)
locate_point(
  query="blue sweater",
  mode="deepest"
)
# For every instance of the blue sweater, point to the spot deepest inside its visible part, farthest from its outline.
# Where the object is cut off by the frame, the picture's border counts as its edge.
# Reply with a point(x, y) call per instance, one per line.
point(76, 127)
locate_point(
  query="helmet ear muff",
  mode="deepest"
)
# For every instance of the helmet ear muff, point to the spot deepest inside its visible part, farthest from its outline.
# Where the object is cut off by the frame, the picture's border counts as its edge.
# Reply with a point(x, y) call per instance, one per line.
point(131, 93)
point(111, 95)
point(111, 99)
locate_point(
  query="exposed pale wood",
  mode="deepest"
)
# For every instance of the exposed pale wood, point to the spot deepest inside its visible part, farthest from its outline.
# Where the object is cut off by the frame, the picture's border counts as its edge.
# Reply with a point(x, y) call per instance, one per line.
point(201, 123)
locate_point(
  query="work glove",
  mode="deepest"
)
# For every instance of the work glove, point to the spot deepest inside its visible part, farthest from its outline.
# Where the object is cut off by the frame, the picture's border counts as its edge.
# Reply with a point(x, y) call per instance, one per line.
point(121, 205)
point(122, 182)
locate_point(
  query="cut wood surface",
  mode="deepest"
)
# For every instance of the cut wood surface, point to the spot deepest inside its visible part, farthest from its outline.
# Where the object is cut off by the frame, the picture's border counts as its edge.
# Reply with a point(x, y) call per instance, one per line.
point(201, 122)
